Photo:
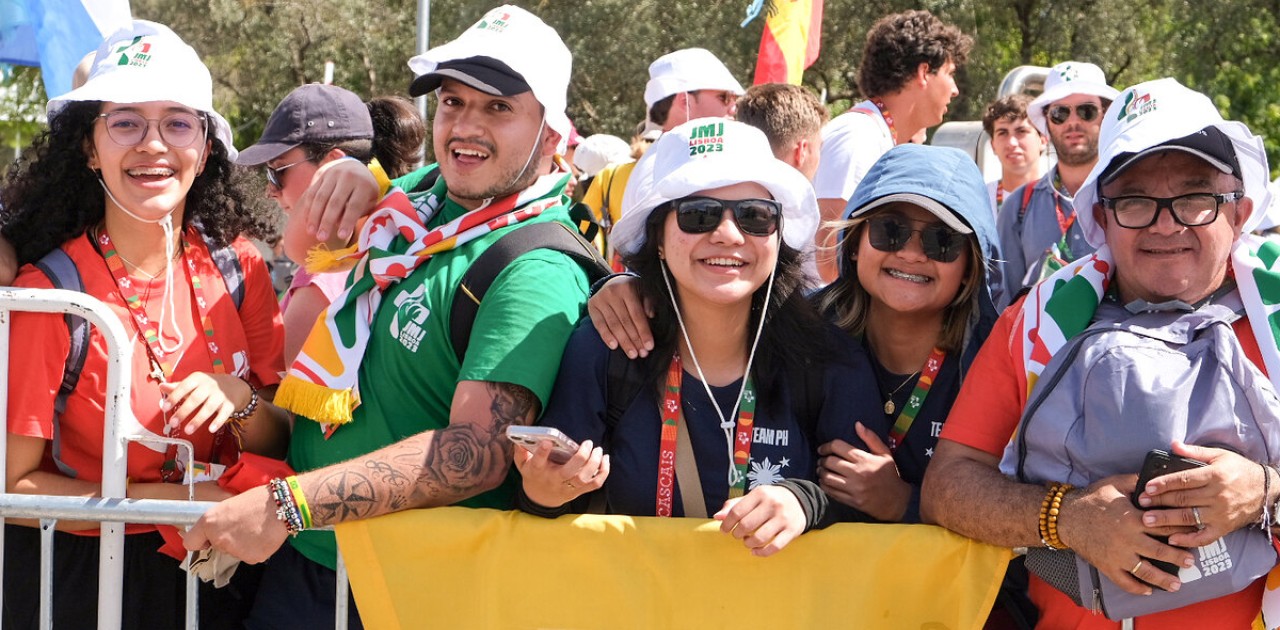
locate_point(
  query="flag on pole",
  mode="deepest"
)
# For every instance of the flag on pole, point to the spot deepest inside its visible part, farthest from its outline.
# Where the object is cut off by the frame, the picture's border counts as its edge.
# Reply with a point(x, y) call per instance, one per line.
point(789, 44)
point(56, 34)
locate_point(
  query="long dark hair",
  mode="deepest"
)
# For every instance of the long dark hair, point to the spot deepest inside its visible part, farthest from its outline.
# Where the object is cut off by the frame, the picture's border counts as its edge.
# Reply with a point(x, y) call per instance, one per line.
point(51, 195)
point(793, 337)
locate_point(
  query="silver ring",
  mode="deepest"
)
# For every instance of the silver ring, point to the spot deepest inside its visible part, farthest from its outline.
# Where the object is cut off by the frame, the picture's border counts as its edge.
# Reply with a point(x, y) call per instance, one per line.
point(1135, 568)
point(1195, 511)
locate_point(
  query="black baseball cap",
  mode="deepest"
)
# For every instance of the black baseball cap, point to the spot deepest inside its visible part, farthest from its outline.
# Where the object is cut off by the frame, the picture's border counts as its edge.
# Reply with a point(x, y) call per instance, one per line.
point(1208, 144)
point(313, 113)
point(482, 73)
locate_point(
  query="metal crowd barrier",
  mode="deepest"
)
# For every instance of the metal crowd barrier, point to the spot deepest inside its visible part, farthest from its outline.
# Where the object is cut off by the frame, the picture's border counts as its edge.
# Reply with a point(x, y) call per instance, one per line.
point(111, 509)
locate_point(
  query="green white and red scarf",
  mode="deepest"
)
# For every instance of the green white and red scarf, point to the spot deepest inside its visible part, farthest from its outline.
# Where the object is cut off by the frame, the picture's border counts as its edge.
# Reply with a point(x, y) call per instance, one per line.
point(322, 384)
point(1063, 305)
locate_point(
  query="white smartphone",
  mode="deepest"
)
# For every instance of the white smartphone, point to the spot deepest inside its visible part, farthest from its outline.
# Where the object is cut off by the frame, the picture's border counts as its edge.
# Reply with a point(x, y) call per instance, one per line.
point(563, 447)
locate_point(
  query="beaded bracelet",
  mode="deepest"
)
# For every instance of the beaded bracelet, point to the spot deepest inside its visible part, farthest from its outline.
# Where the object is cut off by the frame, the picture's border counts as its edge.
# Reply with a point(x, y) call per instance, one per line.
point(1264, 521)
point(1050, 508)
point(248, 410)
point(286, 510)
point(300, 500)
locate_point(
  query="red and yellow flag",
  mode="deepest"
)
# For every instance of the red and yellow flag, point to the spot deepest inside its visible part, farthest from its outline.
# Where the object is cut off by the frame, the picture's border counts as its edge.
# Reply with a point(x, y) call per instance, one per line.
point(790, 42)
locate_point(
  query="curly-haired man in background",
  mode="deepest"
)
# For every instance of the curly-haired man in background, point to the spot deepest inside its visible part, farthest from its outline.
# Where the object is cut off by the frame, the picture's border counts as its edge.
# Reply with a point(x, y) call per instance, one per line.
point(907, 76)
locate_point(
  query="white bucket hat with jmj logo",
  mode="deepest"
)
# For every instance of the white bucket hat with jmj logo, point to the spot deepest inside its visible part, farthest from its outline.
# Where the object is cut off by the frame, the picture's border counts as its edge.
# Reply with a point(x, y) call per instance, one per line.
point(707, 153)
point(147, 62)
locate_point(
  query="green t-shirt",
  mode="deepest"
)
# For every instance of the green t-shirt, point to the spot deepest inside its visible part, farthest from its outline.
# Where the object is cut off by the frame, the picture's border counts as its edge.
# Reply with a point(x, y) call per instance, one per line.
point(409, 372)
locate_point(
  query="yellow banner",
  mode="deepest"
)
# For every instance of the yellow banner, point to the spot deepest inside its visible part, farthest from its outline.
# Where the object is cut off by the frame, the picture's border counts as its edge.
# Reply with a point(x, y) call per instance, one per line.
point(475, 568)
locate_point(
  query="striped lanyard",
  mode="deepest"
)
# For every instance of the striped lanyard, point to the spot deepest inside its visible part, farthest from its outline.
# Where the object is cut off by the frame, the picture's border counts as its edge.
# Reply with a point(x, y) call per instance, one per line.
point(927, 375)
point(888, 118)
point(1064, 222)
point(672, 412)
point(161, 368)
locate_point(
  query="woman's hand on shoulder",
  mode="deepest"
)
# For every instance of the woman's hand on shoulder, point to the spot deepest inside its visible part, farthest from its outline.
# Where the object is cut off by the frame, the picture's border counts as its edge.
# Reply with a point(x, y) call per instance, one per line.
point(867, 480)
point(621, 316)
point(203, 399)
point(765, 520)
point(552, 485)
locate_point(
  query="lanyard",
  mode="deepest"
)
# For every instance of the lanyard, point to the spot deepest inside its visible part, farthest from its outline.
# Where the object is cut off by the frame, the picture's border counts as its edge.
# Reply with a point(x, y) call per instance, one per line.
point(161, 369)
point(927, 375)
point(672, 412)
point(888, 118)
point(999, 195)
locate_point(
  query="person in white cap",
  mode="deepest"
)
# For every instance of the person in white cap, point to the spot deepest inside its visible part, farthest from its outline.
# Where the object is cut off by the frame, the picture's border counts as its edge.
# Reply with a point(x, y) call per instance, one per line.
point(130, 194)
point(717, 243)
point(382, 363)
point(1169, 205)
point(1037, 225)
point(908, 78)
point(683, 85)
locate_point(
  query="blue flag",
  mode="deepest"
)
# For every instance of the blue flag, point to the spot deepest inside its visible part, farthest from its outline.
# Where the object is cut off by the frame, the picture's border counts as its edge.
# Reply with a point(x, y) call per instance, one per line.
point(56, 34)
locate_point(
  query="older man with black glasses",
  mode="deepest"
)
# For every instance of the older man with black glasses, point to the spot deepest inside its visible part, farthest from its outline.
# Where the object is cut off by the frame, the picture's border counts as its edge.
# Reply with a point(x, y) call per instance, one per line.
point(1155, 353)
point(1036, 224)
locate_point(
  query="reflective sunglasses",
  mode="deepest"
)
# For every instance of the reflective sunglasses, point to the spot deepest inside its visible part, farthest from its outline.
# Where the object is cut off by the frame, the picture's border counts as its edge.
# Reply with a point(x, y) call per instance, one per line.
point(699, 215)
point(1060, 113)
point(127, 128)
point(274, 175)
point(1137, 212)
point(890, 233)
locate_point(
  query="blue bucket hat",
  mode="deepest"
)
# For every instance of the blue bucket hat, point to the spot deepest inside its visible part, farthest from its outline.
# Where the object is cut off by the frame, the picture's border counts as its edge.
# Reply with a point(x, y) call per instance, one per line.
point(942, 180)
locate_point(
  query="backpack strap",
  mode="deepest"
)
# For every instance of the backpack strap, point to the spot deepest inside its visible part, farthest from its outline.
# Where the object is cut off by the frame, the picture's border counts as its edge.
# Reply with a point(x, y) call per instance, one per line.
point(228, 263)
point(62, 272)
point(475, 283)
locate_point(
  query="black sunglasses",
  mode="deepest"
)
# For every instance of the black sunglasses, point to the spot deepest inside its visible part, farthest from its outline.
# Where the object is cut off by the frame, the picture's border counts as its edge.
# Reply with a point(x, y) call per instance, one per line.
point(699, 215)
point(891, 232)
point(1060, 113)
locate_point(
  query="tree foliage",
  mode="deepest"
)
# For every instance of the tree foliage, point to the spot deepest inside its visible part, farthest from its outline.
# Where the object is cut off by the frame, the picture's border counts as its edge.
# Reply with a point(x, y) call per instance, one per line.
point(260, 49)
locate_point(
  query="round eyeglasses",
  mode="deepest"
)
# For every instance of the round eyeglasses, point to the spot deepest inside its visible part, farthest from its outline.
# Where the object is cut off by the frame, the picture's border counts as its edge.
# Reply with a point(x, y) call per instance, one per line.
point(127, 128)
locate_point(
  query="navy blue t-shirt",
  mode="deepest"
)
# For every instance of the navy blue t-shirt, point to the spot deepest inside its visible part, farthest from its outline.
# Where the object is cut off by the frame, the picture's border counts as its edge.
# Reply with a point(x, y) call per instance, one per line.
point(782, 447)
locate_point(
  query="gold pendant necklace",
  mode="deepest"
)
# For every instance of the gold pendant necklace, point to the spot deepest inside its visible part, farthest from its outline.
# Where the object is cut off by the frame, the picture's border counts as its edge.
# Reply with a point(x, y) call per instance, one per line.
point(889, 407)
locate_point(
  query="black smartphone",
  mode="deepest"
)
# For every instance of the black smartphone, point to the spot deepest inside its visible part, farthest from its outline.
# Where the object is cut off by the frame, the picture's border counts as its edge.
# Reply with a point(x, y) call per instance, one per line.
point(1157, 464)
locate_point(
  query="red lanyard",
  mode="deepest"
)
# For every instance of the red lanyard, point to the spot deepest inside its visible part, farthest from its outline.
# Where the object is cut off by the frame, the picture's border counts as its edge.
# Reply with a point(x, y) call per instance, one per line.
point(161, 369)
point(1064, 221)
point(672, 412)
point(888, 118)
point(999, 194)
point(908, 416)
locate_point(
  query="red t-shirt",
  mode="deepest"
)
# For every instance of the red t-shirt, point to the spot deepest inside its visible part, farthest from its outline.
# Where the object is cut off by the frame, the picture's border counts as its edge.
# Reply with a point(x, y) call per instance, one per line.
point(40, 341)
point(985, 416)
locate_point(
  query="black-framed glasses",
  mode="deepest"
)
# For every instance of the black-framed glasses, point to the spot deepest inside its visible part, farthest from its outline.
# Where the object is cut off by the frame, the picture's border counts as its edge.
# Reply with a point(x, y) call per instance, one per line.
point(891, 232)
point(1137, 211)
point(128, 128)
point(699, 215)
point(274, 175)
point(1059, 114)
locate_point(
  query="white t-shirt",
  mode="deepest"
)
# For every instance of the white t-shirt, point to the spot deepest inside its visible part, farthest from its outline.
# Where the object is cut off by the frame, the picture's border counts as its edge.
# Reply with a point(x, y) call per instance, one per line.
point(851, 143)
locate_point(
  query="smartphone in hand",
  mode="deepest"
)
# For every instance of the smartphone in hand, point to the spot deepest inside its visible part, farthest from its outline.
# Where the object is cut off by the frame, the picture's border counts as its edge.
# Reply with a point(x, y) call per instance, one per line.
point(1157, 464)
point(562, 446)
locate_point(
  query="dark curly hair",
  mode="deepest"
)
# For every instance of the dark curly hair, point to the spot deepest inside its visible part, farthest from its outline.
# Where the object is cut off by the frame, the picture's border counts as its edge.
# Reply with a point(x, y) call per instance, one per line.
point(897, 44)
point(793, 338)
point(51, 195)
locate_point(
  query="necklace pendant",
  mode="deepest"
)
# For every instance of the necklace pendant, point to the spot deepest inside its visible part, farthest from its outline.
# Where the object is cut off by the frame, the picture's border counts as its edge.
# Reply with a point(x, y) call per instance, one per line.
point(889, 407)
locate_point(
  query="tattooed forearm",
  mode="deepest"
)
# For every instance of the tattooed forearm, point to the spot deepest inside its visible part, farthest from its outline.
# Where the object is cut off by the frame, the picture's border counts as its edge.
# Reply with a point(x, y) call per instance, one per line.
point(512, 404)
point(461, 461)
point(343, 496)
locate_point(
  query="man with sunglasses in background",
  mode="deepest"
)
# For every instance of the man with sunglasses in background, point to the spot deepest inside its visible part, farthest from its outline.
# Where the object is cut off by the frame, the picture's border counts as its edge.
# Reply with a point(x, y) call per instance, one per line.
point(683, 85)
point(1036, 224)
point(907, 75)
point(1103, 356)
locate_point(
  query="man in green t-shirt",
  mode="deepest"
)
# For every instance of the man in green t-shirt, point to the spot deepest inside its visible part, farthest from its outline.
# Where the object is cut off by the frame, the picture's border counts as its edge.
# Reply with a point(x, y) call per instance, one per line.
point(428, 428)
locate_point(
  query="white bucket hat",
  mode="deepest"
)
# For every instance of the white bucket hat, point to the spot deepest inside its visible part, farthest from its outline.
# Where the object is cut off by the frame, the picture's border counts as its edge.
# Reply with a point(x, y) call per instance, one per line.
point(1161, 115)
point(598, 151)
point(687, 70)
point(147, 62)
point(1065, 79)
point(517, 40)
point(710, 153)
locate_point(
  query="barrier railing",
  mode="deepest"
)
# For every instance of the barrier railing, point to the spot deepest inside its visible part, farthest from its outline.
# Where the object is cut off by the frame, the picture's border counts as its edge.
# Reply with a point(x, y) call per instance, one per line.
point(112, 509)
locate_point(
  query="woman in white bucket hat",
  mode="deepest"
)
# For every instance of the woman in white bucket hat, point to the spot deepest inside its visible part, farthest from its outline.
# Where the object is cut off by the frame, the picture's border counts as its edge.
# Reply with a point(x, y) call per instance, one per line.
point(131, 189)
point(717, 243)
